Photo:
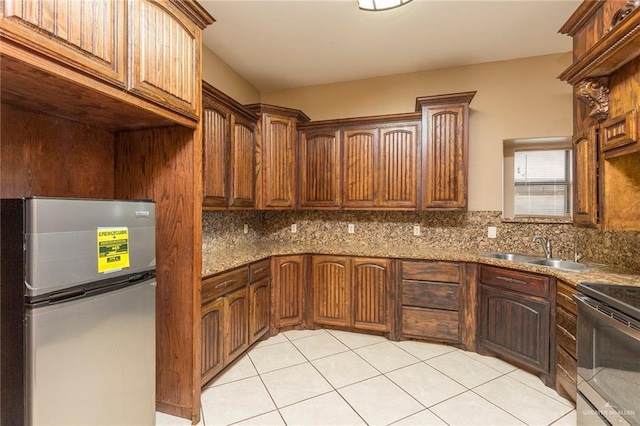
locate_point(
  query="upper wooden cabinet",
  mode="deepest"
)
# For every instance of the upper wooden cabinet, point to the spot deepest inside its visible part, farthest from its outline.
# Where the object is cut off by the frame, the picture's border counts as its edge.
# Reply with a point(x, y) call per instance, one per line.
point(605, 74)
point(359, 149)
point(229, 152)
point(277, 155)
point(445, 140)
point(86, 34)
point(320, 169)
point(164, 54)
point(149, 48)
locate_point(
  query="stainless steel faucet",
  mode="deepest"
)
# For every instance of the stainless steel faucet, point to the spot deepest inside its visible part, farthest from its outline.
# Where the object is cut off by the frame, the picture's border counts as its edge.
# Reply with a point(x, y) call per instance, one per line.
point(546, 245)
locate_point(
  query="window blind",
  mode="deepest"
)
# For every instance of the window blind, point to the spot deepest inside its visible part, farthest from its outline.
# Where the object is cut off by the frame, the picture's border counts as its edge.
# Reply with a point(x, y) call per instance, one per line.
point(543, 183)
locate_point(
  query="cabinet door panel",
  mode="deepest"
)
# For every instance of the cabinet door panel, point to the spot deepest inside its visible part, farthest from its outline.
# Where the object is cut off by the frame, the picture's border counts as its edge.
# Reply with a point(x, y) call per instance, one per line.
point(280, 161)
point(398, 167)
point(87, 34)
point(431, 324)
point(259, 296)
point(236, 307)
point(165, 56)
point(212, 340)
point(359, 165)
point(515, 326)
point(288, 291)
point(243, 163)
point(371, 292)
point(216, 150)
point(331, 301)
point(320, 170)
point(444, 179)
point(585, 162)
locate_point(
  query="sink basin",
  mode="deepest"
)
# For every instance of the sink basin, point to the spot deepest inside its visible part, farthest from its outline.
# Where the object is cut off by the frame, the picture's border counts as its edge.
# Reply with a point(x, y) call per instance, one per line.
point(514, 257)
point(566, 265)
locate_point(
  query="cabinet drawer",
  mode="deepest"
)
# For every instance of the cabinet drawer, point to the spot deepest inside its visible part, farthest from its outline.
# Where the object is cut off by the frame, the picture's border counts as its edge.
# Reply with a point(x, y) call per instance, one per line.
point(521, 282)
point(445, 272)
point(564, 297)
point(566, 330)
point(431, 324)
point(218, 285)
point(259, 270)
point(567, 364)
point(425, 294)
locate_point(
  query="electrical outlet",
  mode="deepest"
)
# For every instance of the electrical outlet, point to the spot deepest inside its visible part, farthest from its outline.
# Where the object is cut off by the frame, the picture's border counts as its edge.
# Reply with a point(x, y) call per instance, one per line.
point(351, 228)
point(246, 228)
point(416, 230)
point(492, 232)
point(294, 228)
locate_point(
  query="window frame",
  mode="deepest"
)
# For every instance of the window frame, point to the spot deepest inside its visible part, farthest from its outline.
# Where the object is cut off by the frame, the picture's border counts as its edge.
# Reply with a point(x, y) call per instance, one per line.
point(510, 146)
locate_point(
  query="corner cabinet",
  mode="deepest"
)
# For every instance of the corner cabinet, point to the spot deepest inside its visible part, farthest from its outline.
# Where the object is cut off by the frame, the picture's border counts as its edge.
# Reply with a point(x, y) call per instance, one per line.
point(445, 141)
point(352, 293)
point(515, 320)
point(288, 292)
point(277, 155)
point(229, 152)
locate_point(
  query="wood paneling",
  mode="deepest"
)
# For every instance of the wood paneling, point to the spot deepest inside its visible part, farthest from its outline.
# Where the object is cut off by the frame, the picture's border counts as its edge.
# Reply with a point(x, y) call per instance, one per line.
point(331, 283)
point(160, 34)
point(86, 34)
point(431, 324)
point(320, 169)
point(164, 165)
point(243, 157)
point(447, 272)
point(398, 167)
point(287, 290)
point(424, 294)
point(279, 165)
point(48, 156)
point(260, 309)
point(359, 165)
point(371, 294)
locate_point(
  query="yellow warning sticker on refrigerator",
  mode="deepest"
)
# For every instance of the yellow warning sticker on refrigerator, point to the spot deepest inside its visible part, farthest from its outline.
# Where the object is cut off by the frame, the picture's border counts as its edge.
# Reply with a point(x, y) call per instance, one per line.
point(113, 249)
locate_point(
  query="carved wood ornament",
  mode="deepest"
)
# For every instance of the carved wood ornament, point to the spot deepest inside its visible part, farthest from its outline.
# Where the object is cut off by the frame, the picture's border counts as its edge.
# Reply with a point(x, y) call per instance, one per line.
point(623, 13)
point(595, 94)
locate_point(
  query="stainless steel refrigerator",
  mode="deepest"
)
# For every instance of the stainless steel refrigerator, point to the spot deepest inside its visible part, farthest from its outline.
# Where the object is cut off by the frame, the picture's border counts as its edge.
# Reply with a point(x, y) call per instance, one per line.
point(78, 312)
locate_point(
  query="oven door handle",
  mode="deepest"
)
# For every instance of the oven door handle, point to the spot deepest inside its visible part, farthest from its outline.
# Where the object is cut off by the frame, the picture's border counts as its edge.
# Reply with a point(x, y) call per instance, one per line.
point(602, 312)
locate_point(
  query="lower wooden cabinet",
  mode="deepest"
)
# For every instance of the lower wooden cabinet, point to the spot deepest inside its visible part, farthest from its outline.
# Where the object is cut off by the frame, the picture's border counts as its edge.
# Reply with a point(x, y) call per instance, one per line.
point(236, 324)
point(287, 291)
point(212, 339)
point(517, 325)
point(259, 300)
point(566, 328)
point(431, 301)
point(352, 293)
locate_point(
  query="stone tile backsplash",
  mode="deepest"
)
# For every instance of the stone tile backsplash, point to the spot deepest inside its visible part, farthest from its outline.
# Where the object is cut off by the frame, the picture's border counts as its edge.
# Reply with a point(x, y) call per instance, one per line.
point(446, 231)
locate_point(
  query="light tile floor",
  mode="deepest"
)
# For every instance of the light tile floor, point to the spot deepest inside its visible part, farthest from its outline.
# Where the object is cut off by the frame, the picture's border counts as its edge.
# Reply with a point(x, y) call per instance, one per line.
point(327, 377)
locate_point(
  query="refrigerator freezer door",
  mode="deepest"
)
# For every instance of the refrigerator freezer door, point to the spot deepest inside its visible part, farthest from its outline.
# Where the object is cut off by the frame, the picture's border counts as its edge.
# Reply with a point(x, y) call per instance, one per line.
point(92, 361)
point(62, 243)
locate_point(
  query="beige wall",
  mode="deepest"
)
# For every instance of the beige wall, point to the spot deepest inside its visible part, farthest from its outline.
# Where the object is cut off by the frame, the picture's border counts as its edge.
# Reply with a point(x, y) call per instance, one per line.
point(516, 99)
point(221, 76)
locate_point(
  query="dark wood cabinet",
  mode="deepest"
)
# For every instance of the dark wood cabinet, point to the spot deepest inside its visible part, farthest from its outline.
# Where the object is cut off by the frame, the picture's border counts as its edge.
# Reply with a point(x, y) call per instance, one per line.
point(236, 324)
point(288, 291)
point(352, 293)
point(259, 300)
point(431, 301)
point(229, 152)
point(320, 169)
point(359, 148)
point(445, 140)
point(277, 155)
point(516, 321)
point(585, 165)
point(566, 328)
point(212, 339)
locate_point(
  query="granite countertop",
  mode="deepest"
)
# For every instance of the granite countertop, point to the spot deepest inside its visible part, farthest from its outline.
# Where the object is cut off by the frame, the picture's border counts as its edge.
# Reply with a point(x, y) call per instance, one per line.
point(215, 261)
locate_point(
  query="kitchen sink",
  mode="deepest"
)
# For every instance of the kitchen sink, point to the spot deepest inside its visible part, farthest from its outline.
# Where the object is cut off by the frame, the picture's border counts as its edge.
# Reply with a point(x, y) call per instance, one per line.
point(566, 265)
point(514, 257)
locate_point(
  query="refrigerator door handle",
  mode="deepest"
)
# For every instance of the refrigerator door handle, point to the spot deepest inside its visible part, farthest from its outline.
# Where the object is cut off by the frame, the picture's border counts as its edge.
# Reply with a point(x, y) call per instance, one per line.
point(66, 296)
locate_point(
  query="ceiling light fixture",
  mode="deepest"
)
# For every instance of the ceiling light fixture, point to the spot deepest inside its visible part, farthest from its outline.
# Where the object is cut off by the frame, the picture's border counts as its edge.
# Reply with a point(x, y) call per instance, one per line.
point(381, 4)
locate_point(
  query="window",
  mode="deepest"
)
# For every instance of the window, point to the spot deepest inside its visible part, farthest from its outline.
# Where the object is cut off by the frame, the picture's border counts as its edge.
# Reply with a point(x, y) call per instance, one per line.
point(538, 178)
point(542, 183)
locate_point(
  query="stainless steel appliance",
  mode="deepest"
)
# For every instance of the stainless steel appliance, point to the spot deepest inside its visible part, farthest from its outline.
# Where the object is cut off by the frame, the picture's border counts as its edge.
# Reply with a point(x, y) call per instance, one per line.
point(608, 354)
point(82, 322)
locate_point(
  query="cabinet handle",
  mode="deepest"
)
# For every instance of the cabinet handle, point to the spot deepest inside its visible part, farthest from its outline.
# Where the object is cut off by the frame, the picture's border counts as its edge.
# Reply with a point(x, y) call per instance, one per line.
point(255, 271)
point(224, 284)
point(512, 280)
